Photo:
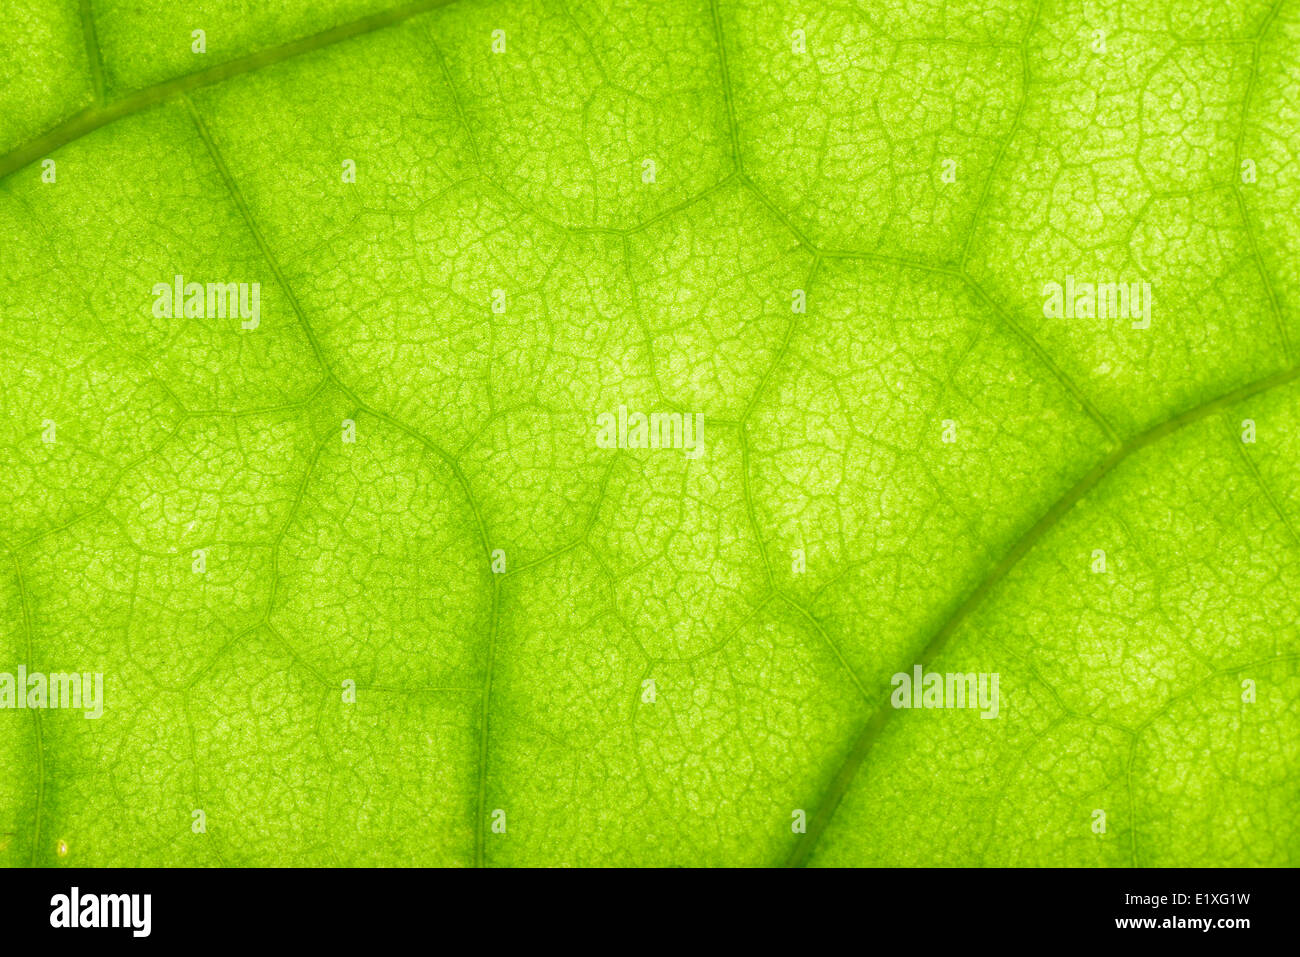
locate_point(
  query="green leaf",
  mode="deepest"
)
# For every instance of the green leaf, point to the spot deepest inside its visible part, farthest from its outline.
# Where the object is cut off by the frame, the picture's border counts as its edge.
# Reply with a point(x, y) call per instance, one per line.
point(364, 582)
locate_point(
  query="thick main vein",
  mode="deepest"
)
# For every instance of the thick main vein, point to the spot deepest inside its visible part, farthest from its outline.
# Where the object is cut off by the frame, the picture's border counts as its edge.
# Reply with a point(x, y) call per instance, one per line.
point(938, 641)
point(91, 119)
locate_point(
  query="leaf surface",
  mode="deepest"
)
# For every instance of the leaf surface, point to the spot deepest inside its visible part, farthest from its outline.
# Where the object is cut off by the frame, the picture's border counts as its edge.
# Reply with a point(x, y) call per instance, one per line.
point(825, 229)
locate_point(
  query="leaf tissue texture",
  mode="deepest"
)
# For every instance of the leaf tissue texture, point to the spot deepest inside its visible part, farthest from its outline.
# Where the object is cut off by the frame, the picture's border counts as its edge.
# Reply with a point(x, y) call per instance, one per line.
point(732, 433)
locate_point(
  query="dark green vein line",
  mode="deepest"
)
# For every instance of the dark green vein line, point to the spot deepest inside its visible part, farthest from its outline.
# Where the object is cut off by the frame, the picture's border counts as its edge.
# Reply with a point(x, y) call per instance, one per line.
point(36, 713)
point(956, 274)
point(1046, 359)
point(750, 513)
point(1258, 258)
point(89, 120)
point(446, 457)
point(876, 723)
point(1242, 207)
point(733, 128)
point(246, 214)
point(1258, 479)
point(485, 710)
point(93, 55)
point(986, 190)
point(460, 106)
